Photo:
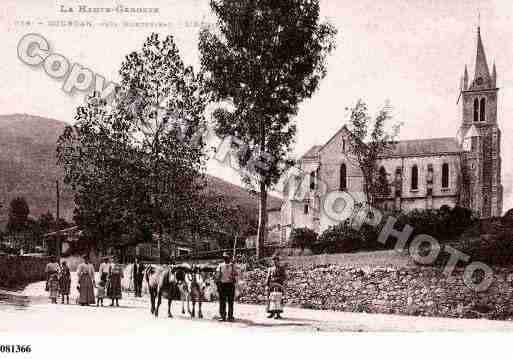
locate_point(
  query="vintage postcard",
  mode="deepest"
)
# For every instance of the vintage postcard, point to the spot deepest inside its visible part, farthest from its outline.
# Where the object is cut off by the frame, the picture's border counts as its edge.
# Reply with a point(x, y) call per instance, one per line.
point(235, 167)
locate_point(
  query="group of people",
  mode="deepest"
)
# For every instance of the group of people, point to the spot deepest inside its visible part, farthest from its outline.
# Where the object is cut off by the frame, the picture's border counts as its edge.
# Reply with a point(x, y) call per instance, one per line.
point(228, 274)
point(58, 280)
point(109, 285)
point(110, 275)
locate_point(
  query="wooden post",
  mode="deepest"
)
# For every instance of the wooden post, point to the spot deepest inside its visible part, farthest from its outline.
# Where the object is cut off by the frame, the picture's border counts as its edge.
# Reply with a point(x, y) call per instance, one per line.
point(58, 222)
point(159, 243)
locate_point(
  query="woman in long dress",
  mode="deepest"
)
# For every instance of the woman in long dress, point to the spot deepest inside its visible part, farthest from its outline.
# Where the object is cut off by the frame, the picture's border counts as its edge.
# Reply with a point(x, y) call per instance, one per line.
point(276, 277)
point(52, 279)
point(85, 273)
point(65, 282)
point(114, 283)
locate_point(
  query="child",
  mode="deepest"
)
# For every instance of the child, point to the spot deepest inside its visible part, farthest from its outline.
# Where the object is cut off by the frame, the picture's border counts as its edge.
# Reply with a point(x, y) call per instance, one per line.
point(53, 287)
point(275, 304)
point(78, 290)
point(65, 282)
point(100, 292)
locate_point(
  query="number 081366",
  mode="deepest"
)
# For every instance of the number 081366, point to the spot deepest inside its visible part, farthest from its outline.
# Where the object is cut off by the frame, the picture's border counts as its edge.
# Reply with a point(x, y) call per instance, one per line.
point(15, 348)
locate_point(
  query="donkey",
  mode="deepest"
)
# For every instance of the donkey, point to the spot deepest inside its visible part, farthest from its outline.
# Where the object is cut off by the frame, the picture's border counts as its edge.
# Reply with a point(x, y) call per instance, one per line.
point(162, 282)
point(193, 290)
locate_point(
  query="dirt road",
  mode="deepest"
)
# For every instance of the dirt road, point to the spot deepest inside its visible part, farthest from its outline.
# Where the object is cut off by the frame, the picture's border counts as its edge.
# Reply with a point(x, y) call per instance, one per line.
point(133, 317)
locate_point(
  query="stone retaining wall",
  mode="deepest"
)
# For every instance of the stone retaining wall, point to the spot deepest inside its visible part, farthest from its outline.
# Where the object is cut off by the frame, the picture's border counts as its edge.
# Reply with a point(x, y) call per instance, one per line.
point(18, 271)
point(414, 291)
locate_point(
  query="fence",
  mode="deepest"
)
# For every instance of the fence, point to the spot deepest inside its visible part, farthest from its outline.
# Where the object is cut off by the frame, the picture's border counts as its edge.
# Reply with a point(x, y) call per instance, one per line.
point(217, 254)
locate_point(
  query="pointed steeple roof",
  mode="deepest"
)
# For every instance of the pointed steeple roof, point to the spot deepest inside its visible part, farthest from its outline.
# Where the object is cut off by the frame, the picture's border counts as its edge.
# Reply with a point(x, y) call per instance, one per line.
point(494, 74)
point(465, 78)
point(481, 69)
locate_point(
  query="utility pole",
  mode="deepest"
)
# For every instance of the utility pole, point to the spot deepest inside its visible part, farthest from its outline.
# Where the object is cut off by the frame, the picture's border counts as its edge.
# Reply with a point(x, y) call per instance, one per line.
point(234, 247)
point(58, 221)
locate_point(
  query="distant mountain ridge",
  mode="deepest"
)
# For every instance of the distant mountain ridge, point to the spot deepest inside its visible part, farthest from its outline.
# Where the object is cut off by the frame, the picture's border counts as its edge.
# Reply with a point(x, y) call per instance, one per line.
point(28, 165)
point(28, 169)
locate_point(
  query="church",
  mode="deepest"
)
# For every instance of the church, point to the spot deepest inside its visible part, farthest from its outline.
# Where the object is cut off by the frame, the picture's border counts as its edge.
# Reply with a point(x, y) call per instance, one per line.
point(463, 170)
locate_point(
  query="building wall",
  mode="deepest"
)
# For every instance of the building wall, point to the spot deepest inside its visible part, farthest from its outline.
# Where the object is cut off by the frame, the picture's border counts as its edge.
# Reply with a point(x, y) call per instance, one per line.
point(468, 98)
point(416, 198)
point(331, 158)
point(484, 161)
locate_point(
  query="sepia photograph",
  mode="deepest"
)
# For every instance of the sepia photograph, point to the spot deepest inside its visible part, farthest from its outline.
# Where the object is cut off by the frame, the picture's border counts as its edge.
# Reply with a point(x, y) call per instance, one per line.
point(193, 177)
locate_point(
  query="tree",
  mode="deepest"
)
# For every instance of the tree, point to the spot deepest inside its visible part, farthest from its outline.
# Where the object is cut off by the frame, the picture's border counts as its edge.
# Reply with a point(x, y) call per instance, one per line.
point(136, 164)
point(266, 57)
point(46, 222)
point(98, 160)
point(18, 217)
point(370, 141)
point(18, 214)
point(382, 184)
point(166, 110)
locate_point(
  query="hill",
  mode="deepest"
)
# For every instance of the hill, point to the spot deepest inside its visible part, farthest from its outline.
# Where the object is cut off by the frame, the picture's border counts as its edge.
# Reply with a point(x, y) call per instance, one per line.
point(28, 169)
point(28, 166)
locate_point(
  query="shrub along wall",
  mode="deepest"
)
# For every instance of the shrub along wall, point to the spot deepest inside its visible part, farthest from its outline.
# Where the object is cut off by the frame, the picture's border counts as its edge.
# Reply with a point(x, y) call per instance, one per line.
point(414, 291)
point(18, 271)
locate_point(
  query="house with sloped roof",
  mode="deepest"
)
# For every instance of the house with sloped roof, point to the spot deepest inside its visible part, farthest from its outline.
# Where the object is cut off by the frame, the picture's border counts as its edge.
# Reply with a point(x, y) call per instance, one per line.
point(430, 173)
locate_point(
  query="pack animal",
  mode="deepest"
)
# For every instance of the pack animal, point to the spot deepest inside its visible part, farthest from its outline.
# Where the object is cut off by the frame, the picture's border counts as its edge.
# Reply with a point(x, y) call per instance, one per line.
point(162, 282)
point(193, 290)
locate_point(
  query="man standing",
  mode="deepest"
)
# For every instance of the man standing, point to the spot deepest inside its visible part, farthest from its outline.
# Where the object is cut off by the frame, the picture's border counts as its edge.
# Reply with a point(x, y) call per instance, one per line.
point(104, 269)
point(137, 275)
point(227, 275)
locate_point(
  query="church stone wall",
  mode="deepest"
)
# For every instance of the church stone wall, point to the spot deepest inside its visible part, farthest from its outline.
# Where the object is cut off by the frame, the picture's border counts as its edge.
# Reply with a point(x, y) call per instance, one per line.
point(418, 199)
point(332, 156)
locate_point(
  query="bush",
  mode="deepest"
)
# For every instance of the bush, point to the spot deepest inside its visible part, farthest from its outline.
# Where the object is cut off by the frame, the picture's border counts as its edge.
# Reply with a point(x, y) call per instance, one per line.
point(507, 220)
point(303, 238)
point(342, 238)
point(490, 241)
point(443, 224)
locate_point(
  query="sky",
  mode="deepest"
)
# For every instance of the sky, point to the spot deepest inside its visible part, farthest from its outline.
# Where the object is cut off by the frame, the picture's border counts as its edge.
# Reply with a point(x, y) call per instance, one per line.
point(410, 53)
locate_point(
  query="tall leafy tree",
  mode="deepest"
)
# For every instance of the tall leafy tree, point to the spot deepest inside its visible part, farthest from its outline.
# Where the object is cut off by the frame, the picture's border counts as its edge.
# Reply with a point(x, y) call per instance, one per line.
point(101, 167)
point(18, 217)
point(266, 57)
point(164, 101)
point(372, 139)
point(136, 164)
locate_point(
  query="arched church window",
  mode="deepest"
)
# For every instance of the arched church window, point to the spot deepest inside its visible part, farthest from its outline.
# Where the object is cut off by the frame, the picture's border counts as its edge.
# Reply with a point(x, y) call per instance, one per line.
point(343, 177)
point(476, 110)
point(312, 180)
point(343, 146)
point(414, 177)
point(445, 175)
point(482, 114)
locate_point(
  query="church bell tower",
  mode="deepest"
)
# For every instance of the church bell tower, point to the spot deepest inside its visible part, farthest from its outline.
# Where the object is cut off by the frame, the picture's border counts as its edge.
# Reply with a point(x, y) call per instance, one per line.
point(481, 138)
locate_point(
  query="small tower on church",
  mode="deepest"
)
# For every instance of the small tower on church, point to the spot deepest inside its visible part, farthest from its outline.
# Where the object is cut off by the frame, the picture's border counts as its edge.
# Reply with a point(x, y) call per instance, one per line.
point(482, 188)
